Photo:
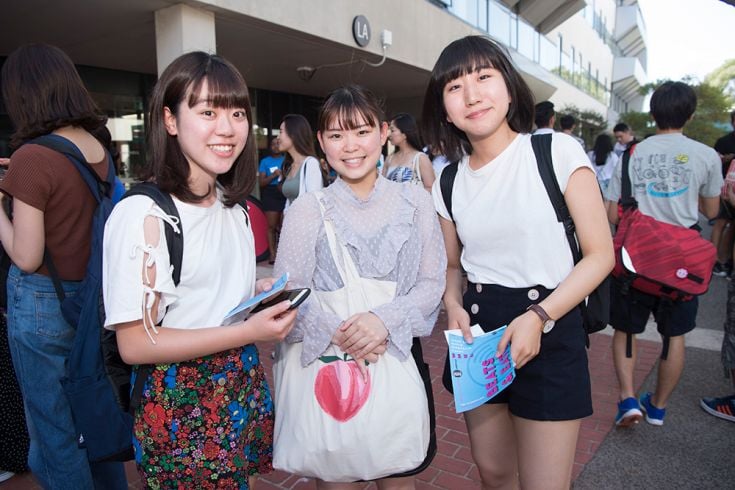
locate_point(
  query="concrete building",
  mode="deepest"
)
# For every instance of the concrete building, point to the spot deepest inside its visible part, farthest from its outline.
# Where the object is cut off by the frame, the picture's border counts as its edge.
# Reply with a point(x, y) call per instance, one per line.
point(591, 54)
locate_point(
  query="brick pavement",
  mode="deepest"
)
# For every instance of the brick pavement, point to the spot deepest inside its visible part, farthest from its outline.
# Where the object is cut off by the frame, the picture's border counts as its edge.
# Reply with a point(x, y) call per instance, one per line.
point(452, 467)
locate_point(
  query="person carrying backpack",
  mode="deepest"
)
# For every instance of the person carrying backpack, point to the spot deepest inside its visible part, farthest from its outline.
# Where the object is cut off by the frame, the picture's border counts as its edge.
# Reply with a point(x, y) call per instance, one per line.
point(503, 230)
point(205, 418)
point(672, 178)
point(53, 212)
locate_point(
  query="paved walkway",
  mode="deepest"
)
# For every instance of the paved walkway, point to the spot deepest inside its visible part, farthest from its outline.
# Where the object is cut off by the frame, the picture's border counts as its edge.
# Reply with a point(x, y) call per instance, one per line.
point(624, 454)
point(452, 467)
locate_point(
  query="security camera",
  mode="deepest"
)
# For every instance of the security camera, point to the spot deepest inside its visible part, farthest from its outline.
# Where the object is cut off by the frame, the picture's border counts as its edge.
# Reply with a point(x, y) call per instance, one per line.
point(305, 72)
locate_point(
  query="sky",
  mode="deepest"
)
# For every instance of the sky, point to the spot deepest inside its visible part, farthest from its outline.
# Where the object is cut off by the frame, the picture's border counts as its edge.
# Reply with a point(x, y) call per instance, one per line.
point(687, 37)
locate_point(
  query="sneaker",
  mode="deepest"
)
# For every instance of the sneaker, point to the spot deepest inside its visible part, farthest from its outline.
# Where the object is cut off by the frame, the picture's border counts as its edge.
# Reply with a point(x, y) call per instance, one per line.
point(654, 415)
point(719, 270)
point(723, 408)
point(6, 475)
point(629, 413)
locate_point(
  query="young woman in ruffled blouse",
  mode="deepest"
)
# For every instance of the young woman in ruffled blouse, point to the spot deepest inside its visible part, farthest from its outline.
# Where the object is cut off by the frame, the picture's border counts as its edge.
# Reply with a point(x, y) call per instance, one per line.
point(390, 231)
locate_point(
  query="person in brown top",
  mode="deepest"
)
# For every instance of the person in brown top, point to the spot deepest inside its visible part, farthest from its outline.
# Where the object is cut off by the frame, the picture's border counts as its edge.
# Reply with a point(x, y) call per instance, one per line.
point(52, 209)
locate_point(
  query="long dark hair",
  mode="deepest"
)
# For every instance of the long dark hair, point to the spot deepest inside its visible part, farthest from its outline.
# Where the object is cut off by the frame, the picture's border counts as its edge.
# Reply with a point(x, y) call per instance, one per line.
point(299, 131)
point(407, 124)
point(461, 57)
point(603, 147)
point(43, 92)
point(181, 82)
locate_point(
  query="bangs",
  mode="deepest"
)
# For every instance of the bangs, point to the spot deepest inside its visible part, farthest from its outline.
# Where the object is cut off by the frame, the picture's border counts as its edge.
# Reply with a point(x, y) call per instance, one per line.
point(349, 108)
point(225, 86)
point(464, 56)
point(349, 118)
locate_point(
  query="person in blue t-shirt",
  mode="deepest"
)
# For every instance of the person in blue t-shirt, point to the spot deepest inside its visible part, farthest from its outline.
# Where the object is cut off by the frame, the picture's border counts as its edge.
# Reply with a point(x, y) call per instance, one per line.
point(273, 200)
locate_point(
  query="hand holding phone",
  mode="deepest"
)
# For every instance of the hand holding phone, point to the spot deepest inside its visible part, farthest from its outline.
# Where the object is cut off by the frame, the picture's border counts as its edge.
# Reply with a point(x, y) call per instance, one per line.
point(295, 296)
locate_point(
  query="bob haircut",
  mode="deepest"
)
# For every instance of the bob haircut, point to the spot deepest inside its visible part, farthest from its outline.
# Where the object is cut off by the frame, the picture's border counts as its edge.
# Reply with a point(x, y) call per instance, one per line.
point(407, 124)
point(43, 92)
point(181, 82)
point(463, 56)
point(348, 107)
point(603, 147)
point(299, 131)
point(672, 104)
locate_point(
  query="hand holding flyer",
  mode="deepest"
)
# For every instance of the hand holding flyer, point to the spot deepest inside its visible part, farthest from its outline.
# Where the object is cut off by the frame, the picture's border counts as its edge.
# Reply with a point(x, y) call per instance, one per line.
point(477, 375)
point(241, 311)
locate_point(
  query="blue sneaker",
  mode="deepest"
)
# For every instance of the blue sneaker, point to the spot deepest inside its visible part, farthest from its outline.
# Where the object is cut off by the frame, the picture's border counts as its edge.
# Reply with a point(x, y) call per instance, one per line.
point(629, 413)
point(654, 415)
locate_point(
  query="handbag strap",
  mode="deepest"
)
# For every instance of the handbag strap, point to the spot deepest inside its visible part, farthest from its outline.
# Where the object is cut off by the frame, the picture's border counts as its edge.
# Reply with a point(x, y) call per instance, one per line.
point(342, 260)
point(416, 177)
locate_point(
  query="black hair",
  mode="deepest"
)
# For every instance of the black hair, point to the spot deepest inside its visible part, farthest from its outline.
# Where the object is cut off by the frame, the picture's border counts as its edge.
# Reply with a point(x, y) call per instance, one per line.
point(603, 147)
point(543, 113)
point(43, 92)
point(673, 104)
point(347, 106)
point(467, 55)
point(567, 121)
point(621, 127)
point(181, 83)
point(732, 117)
point(407, 124)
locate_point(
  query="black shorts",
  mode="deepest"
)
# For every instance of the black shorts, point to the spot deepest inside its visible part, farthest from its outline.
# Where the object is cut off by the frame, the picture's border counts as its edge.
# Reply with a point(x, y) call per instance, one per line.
point(555, 385)
point(272, 198)
point(629, 312)
point(726, 212)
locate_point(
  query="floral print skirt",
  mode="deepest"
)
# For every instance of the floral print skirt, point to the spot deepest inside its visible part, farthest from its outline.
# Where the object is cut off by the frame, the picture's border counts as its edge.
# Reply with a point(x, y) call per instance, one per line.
point(206, 423)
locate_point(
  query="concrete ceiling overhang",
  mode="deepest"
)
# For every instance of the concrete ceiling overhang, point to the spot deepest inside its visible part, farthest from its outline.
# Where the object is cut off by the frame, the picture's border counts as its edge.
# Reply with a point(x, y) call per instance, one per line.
point(541, 82)
point(545, 15)
point(121, 36)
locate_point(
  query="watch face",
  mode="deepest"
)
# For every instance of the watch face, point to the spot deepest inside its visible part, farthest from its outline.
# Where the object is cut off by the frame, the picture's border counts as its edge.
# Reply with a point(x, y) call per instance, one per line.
point(548, 325)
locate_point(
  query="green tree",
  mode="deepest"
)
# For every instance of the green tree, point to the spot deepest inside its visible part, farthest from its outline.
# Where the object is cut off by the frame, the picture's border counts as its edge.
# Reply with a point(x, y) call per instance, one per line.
point(589, 123)
point(713, 106)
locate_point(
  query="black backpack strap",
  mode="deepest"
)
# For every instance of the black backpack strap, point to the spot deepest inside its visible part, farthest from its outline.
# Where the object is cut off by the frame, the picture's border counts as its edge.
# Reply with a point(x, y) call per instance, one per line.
point(175, 245)
point(542, 149)
point(446, 184)
point(174, 241)
point(626, 189)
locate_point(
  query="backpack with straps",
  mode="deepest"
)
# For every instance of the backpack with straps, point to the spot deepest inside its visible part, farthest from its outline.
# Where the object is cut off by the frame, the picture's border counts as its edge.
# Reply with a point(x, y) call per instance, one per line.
point(596, 308)
point(97, 382)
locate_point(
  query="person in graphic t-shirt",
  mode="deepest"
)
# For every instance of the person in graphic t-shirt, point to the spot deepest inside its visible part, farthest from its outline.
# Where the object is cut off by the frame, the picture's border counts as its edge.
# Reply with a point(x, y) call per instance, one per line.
point(673, 178)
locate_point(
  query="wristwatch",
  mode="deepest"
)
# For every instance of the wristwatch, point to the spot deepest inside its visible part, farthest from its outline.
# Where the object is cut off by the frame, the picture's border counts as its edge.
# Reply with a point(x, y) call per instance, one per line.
point(545, 318)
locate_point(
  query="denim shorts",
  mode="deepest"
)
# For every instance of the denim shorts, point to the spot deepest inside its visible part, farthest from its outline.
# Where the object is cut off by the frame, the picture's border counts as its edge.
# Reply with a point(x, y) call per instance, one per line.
point(554, 385)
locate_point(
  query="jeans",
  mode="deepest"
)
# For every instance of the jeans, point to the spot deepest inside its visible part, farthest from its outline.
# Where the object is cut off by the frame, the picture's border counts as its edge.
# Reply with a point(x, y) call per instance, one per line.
point(40, 344)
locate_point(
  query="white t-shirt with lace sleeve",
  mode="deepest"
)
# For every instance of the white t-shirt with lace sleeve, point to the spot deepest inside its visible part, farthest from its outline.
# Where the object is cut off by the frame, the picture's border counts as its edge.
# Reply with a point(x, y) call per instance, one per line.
point(218, 266)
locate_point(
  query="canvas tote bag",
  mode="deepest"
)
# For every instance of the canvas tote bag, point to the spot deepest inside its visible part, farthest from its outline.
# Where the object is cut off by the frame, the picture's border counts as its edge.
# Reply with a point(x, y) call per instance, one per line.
point(332, 425)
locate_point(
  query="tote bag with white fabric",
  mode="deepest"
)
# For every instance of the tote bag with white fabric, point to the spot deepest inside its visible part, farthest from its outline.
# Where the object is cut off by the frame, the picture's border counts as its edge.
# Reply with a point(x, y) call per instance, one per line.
point(330, 423)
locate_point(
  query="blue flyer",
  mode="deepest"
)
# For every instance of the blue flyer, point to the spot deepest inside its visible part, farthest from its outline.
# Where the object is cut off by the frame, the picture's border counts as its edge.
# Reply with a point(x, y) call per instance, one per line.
point(241, 311)
point(477, 375)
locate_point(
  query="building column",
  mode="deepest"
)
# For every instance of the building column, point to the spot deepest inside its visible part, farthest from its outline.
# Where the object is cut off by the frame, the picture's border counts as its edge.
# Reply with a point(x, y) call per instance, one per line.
point(181, 29)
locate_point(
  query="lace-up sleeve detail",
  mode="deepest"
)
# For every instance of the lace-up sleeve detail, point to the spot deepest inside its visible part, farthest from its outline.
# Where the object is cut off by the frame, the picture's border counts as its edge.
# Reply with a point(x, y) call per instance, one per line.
point(129, 261)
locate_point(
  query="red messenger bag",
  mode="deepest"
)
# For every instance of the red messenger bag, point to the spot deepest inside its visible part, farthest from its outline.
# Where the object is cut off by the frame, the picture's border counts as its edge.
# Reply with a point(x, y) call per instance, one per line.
point(658, 258)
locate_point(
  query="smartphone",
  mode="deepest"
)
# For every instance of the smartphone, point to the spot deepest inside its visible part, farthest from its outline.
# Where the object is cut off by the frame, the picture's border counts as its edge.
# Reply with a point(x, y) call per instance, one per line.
point(295, 296)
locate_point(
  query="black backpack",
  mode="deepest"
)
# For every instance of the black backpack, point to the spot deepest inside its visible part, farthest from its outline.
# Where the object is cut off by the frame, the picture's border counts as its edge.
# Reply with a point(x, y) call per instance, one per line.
point(596, 309)
point(98, 381)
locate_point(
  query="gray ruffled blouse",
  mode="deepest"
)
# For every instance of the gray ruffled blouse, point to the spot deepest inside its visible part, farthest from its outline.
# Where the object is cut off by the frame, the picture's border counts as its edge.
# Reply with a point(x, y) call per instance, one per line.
point(393, 235)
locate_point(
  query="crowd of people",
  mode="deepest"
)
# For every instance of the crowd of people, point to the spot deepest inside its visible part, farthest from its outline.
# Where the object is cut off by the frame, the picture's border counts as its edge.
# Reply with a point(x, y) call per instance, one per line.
point(453, 217)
